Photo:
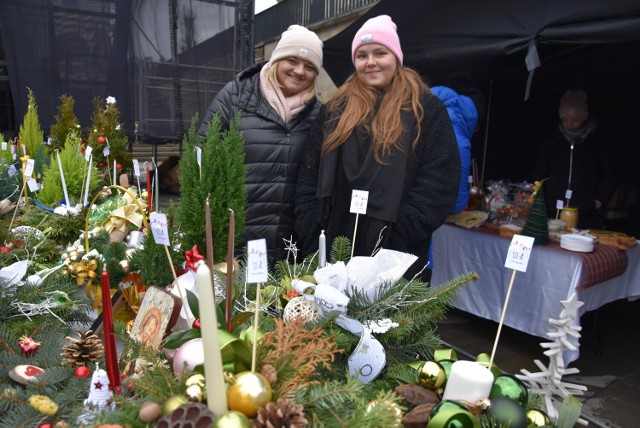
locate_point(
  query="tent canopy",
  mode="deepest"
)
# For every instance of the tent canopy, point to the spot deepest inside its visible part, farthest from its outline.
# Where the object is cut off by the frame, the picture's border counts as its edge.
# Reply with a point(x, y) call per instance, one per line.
point(589, 44)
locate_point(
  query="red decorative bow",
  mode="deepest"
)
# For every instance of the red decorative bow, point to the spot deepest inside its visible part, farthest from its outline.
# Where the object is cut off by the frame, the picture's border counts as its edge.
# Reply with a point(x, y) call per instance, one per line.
point(192, 257)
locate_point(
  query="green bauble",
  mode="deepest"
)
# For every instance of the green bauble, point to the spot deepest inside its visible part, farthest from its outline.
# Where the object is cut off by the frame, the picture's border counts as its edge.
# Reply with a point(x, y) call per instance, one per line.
point(446, 365)
point(232, 419)
point(431, 375)
point(537, 418)
point(173, 403)
point(507, 412)
point(452, 414)
point(511, 387)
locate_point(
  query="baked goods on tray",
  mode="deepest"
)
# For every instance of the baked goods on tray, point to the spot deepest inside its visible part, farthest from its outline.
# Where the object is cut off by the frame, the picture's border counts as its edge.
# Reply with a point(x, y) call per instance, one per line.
point(613, 238)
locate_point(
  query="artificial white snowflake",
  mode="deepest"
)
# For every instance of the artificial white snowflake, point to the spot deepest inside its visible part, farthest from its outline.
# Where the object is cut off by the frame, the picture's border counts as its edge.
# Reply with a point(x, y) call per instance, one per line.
point(111, 100)
point(380, 326)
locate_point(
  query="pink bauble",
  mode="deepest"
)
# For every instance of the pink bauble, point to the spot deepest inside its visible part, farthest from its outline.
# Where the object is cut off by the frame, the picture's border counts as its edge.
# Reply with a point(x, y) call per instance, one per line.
point(191, 353)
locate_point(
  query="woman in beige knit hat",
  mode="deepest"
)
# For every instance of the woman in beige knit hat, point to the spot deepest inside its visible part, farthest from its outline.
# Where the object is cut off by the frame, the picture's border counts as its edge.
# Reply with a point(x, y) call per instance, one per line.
point(277, 104)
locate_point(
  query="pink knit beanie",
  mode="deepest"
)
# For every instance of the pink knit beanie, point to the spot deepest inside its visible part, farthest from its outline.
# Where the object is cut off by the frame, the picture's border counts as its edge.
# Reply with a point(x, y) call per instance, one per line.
point(380, 30)
point(299, 42)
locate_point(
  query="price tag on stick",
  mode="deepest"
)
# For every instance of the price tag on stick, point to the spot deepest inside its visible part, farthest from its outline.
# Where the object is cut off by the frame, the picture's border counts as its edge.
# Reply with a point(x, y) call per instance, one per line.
point(359, 199)
point(158, 223)
point(519, 252)
point(136, 168)
point(257, 267)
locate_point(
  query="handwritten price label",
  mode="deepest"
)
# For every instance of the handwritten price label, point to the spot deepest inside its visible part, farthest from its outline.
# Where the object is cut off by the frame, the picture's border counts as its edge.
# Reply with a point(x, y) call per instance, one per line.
point(28, 169)
point(4, 145)
point(87, 153)
point(33, 185)
point(519, 252)
point(106, 152)
point(257, 268)
point(559, 204)
point(158, 222)
point(568, 194)
point(359, 199)
point(136, 168)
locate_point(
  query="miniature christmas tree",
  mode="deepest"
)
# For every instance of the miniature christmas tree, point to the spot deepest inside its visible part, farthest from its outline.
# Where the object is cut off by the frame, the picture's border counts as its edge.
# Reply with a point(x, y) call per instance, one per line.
point(75, 169)
point(66, 122)
point(536, 225)
point(221, 175)
point(106, 131)
point(548, 382)
point(31, 135)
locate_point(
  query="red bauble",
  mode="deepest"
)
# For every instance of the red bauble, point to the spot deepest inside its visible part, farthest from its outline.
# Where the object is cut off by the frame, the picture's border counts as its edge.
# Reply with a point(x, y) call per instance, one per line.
point(118, 166)
point(102, 139)
point(46, 426)
point(196, 323)
point(4, 249)
point(82, 372)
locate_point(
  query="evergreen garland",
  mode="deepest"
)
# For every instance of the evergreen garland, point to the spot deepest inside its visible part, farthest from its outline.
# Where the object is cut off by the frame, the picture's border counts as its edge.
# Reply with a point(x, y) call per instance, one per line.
point(66, 123)
point(221, 178)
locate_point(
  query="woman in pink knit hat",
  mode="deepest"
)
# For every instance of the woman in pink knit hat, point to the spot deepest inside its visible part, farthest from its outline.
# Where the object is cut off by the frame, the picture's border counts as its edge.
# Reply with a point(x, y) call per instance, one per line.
point(386, 134)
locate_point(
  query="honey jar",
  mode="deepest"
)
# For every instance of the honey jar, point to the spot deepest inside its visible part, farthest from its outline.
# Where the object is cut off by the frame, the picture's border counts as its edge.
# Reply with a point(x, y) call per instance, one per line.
point(570, 216)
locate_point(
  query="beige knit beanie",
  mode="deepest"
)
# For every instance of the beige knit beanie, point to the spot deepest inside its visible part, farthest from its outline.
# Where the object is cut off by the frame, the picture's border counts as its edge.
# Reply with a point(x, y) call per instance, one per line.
point(299, 42)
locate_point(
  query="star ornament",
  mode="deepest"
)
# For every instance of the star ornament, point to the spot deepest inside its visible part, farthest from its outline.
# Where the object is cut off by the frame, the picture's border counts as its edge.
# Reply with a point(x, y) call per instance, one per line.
point(571, 305)
point(98, 385)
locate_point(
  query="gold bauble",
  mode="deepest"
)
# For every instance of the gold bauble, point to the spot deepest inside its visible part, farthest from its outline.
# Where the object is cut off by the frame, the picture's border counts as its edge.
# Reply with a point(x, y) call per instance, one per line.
point(232, 419)
point(537, 418)
point(248, 391)
point(173, 403)
point(195, 393)
point(431, 375)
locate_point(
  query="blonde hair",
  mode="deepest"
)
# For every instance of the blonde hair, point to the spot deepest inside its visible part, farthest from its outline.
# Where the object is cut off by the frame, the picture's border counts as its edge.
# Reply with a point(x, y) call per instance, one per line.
point(272, 77)
point(356, 100)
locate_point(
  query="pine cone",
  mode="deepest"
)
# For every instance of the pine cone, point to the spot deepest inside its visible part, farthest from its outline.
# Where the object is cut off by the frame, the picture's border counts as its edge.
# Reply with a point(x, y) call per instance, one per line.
point(88, 348)
point(283, 414)
point(270, 373)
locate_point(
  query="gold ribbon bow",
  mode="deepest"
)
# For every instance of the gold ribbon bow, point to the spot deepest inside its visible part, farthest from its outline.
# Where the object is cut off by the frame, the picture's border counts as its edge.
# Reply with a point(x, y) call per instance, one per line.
point(85, 271)
point(120, 218)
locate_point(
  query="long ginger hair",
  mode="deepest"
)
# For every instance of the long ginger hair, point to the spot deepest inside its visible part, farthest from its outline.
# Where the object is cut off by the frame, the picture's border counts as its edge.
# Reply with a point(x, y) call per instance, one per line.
point(355, 102)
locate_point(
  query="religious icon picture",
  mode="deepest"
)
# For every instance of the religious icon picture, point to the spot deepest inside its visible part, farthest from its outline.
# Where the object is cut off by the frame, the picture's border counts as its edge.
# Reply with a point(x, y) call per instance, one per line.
point(157, 315)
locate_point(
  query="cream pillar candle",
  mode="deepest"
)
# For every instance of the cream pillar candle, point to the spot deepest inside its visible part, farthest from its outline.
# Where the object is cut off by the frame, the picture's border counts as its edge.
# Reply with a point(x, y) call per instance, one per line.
point(213, 370)
point(468, 381)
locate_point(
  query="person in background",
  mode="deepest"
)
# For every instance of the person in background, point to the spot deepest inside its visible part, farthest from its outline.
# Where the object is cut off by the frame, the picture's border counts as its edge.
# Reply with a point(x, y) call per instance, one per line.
point(277, 104)
point(387, 134)
point(464, 118)
point(578, 158)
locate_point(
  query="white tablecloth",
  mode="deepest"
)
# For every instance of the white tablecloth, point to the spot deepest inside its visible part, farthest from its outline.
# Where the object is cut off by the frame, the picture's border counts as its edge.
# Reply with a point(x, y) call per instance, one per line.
point(551, 276)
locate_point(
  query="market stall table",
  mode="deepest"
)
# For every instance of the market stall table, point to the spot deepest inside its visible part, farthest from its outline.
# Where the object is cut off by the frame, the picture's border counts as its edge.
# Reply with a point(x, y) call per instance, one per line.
point(553, 274)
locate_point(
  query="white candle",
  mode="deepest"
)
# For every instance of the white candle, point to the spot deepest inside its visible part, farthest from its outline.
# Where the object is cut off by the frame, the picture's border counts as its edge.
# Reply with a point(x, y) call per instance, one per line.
point(322, 250)
point(468, 381)
point(213, 371)
point(64, 183)
point(86, 192)
point(115, 181)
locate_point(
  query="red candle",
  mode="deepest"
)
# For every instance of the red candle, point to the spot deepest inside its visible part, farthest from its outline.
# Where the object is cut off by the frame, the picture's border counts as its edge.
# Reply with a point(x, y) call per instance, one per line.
point(230, 244)
point(148, 171)
point(111, 355)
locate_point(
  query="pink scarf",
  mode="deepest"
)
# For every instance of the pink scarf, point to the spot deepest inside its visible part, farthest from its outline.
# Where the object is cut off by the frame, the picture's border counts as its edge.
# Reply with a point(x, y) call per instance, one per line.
point(287, 107)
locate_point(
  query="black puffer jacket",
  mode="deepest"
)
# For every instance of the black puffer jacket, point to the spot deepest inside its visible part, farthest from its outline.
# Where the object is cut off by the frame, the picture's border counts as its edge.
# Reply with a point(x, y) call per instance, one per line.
point(430, 190)
point(272, 154)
